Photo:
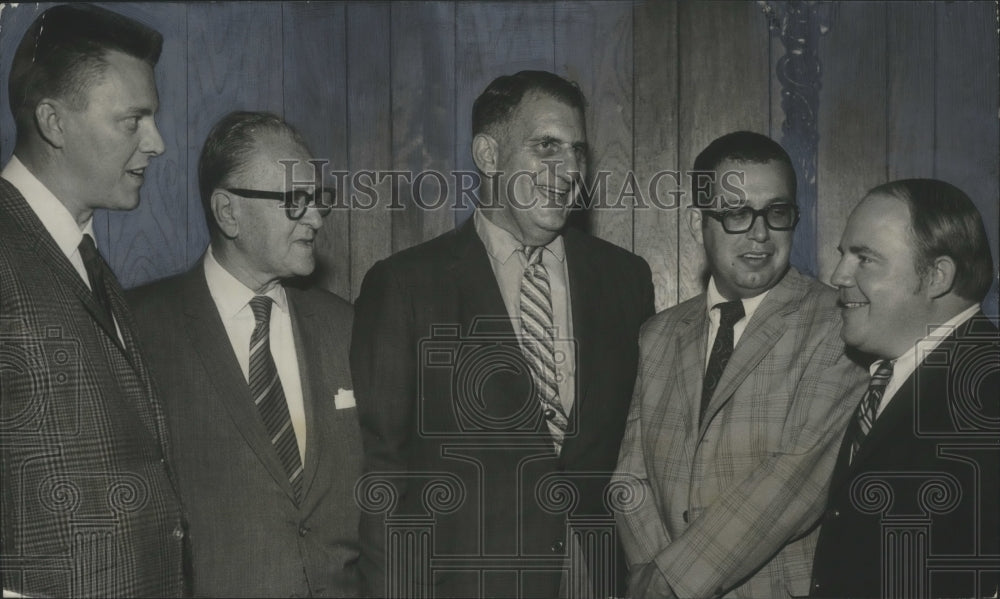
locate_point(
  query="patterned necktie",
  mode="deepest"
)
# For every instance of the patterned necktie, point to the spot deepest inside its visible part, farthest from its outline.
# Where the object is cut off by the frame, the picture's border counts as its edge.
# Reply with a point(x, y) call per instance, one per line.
point(268, 395)
point(864, 417)
point(92, 263)
point(722, 350)
point(538, 341)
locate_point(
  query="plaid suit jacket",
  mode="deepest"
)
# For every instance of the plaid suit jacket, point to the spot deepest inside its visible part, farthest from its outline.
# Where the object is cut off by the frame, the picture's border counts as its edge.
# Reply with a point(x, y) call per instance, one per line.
point(88, 503)
point(727, 507)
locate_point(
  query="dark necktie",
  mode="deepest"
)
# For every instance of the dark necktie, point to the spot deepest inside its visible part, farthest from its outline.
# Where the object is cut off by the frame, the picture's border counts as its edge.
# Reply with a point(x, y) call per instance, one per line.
point(268, 395)
point(92, 262)
point(539, 343)
point(722, 350)
point(864, 417)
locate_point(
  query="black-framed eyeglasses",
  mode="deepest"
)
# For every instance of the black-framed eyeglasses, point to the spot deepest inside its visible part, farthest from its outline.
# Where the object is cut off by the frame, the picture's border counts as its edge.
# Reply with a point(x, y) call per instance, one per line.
point(777, 217)
point(294, 201)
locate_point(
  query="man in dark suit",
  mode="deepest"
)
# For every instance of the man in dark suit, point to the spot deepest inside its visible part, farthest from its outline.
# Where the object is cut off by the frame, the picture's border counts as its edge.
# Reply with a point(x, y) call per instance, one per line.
point(88, 504)
point(914, 504)
point(254, 377)
point(495, 363)
point(740, 402)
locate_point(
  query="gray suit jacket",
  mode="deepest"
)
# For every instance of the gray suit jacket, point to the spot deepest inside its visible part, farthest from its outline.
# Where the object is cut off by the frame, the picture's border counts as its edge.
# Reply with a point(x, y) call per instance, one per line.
point(248, 537)
point(722, 505)
point(88, 504)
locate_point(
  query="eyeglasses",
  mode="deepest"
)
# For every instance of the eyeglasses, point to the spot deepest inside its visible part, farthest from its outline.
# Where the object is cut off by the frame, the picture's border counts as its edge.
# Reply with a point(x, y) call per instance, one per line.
point(778, 217)
point(295, 201)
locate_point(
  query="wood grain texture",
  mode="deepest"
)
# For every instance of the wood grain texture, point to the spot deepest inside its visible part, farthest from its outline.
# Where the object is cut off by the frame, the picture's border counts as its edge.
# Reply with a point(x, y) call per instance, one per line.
point(593, 46)
point(236, 64)
point(369, 114)
point(423, 117)
point(852, 121)
point(909, 53)
point(724, 87)
point(150, 243)
point(315, 103)
point(494, 39)
point(966, 128)
point(655, 92)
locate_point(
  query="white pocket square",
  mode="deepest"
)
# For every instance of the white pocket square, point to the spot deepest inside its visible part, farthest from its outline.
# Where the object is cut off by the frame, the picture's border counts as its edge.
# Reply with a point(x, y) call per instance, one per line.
point(344, 399)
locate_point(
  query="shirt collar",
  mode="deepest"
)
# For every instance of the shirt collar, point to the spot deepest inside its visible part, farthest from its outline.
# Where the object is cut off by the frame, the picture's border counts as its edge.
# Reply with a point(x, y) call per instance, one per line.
point(501, 244)
point(56, 219)
point(905, 364)
point(713, 297)
point(231, 296)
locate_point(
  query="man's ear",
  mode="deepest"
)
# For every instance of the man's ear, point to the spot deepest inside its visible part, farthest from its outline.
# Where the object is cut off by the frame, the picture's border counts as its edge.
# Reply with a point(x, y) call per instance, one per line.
point(940, 277)
point(225, 212)
point(694, 222)
point(484, 153)
point(49, 120)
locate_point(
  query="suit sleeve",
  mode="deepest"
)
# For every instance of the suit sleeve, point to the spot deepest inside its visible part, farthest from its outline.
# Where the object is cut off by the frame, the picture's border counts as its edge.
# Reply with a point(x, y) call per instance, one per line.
point(780, 499)
point(642, 532)
point(383, 366)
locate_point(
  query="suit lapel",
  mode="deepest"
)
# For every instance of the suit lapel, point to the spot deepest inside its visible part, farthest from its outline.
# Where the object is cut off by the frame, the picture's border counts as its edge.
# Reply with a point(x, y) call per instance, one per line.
point(310, 371)
point(478, 295)
point(690, 348)
point(209, 339)
point(589, 311)
point(766, 326)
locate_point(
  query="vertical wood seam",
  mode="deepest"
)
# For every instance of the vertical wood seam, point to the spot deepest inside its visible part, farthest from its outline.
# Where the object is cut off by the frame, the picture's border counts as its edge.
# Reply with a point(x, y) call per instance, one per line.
point(350, 162)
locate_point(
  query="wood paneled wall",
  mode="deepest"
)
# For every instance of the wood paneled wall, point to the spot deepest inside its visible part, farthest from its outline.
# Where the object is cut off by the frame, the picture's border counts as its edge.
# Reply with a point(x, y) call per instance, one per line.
point(907, 90)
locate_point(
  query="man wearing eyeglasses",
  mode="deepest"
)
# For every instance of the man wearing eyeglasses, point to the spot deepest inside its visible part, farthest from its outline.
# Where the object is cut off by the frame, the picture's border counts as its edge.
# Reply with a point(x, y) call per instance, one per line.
point(254, 377)
point(741, 398)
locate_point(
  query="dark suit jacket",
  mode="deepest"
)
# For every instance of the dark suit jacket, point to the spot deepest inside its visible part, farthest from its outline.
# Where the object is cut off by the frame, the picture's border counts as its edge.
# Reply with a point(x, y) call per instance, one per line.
point(923, 488)
point(454, 403)
point(248, 537)
point(88, 503)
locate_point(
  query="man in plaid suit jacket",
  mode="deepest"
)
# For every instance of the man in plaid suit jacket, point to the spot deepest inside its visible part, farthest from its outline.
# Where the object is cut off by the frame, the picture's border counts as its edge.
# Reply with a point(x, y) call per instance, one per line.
point(88, 503)
point(724, 489)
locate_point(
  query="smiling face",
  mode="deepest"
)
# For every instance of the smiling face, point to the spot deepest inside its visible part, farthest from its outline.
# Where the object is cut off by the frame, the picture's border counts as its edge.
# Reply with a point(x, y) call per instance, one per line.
point(885, 305)
point(268, 245)
point(108, 143)
point(540, 158)
point(747, 264)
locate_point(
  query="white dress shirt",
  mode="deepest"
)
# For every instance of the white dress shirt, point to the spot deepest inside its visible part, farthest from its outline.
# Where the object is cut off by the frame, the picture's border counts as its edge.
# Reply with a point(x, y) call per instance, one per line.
point(508, 262)
point(713, 297)
point(904, 365)
point(232, 299)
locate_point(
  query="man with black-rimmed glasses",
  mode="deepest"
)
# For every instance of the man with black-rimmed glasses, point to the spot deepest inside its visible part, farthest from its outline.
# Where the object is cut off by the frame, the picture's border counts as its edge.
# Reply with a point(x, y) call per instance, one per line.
point(742, 398)
point(254, 377)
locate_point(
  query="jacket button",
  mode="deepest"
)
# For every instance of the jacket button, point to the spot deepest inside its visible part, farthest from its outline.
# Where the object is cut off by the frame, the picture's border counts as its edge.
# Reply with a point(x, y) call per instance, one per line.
point(549, 414)
point(303, 530)
point(178, 532)
point(835, 514)
point(557, 546)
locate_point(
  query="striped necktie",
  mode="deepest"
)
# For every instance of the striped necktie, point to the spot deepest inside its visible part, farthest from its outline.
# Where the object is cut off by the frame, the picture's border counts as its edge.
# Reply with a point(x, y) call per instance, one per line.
point(864, 418)
point(269, 397)
point(539, 343)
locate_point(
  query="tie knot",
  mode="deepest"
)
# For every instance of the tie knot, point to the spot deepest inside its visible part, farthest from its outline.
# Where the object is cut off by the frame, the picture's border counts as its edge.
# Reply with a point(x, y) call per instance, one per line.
point(88, 251)
point(261, 307)
point(730, 312)
point(533, 254)
point(883, 373)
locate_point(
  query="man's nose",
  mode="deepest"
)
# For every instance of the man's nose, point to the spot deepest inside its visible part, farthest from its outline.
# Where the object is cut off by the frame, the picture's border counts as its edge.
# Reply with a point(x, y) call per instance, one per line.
point(758, 229)
point(842, 275)
point(152, 142)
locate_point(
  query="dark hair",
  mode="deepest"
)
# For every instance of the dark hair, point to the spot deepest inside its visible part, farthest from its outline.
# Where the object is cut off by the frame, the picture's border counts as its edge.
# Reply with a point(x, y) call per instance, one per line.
point(740, 146)
point(64, 51)
point(501, 97)
point(229, 147)
point(945, 222)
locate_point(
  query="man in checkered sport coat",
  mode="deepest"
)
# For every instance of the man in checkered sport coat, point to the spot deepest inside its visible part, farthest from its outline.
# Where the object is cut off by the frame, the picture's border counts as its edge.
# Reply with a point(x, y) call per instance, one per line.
point(89, 506)
point(742, 398)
